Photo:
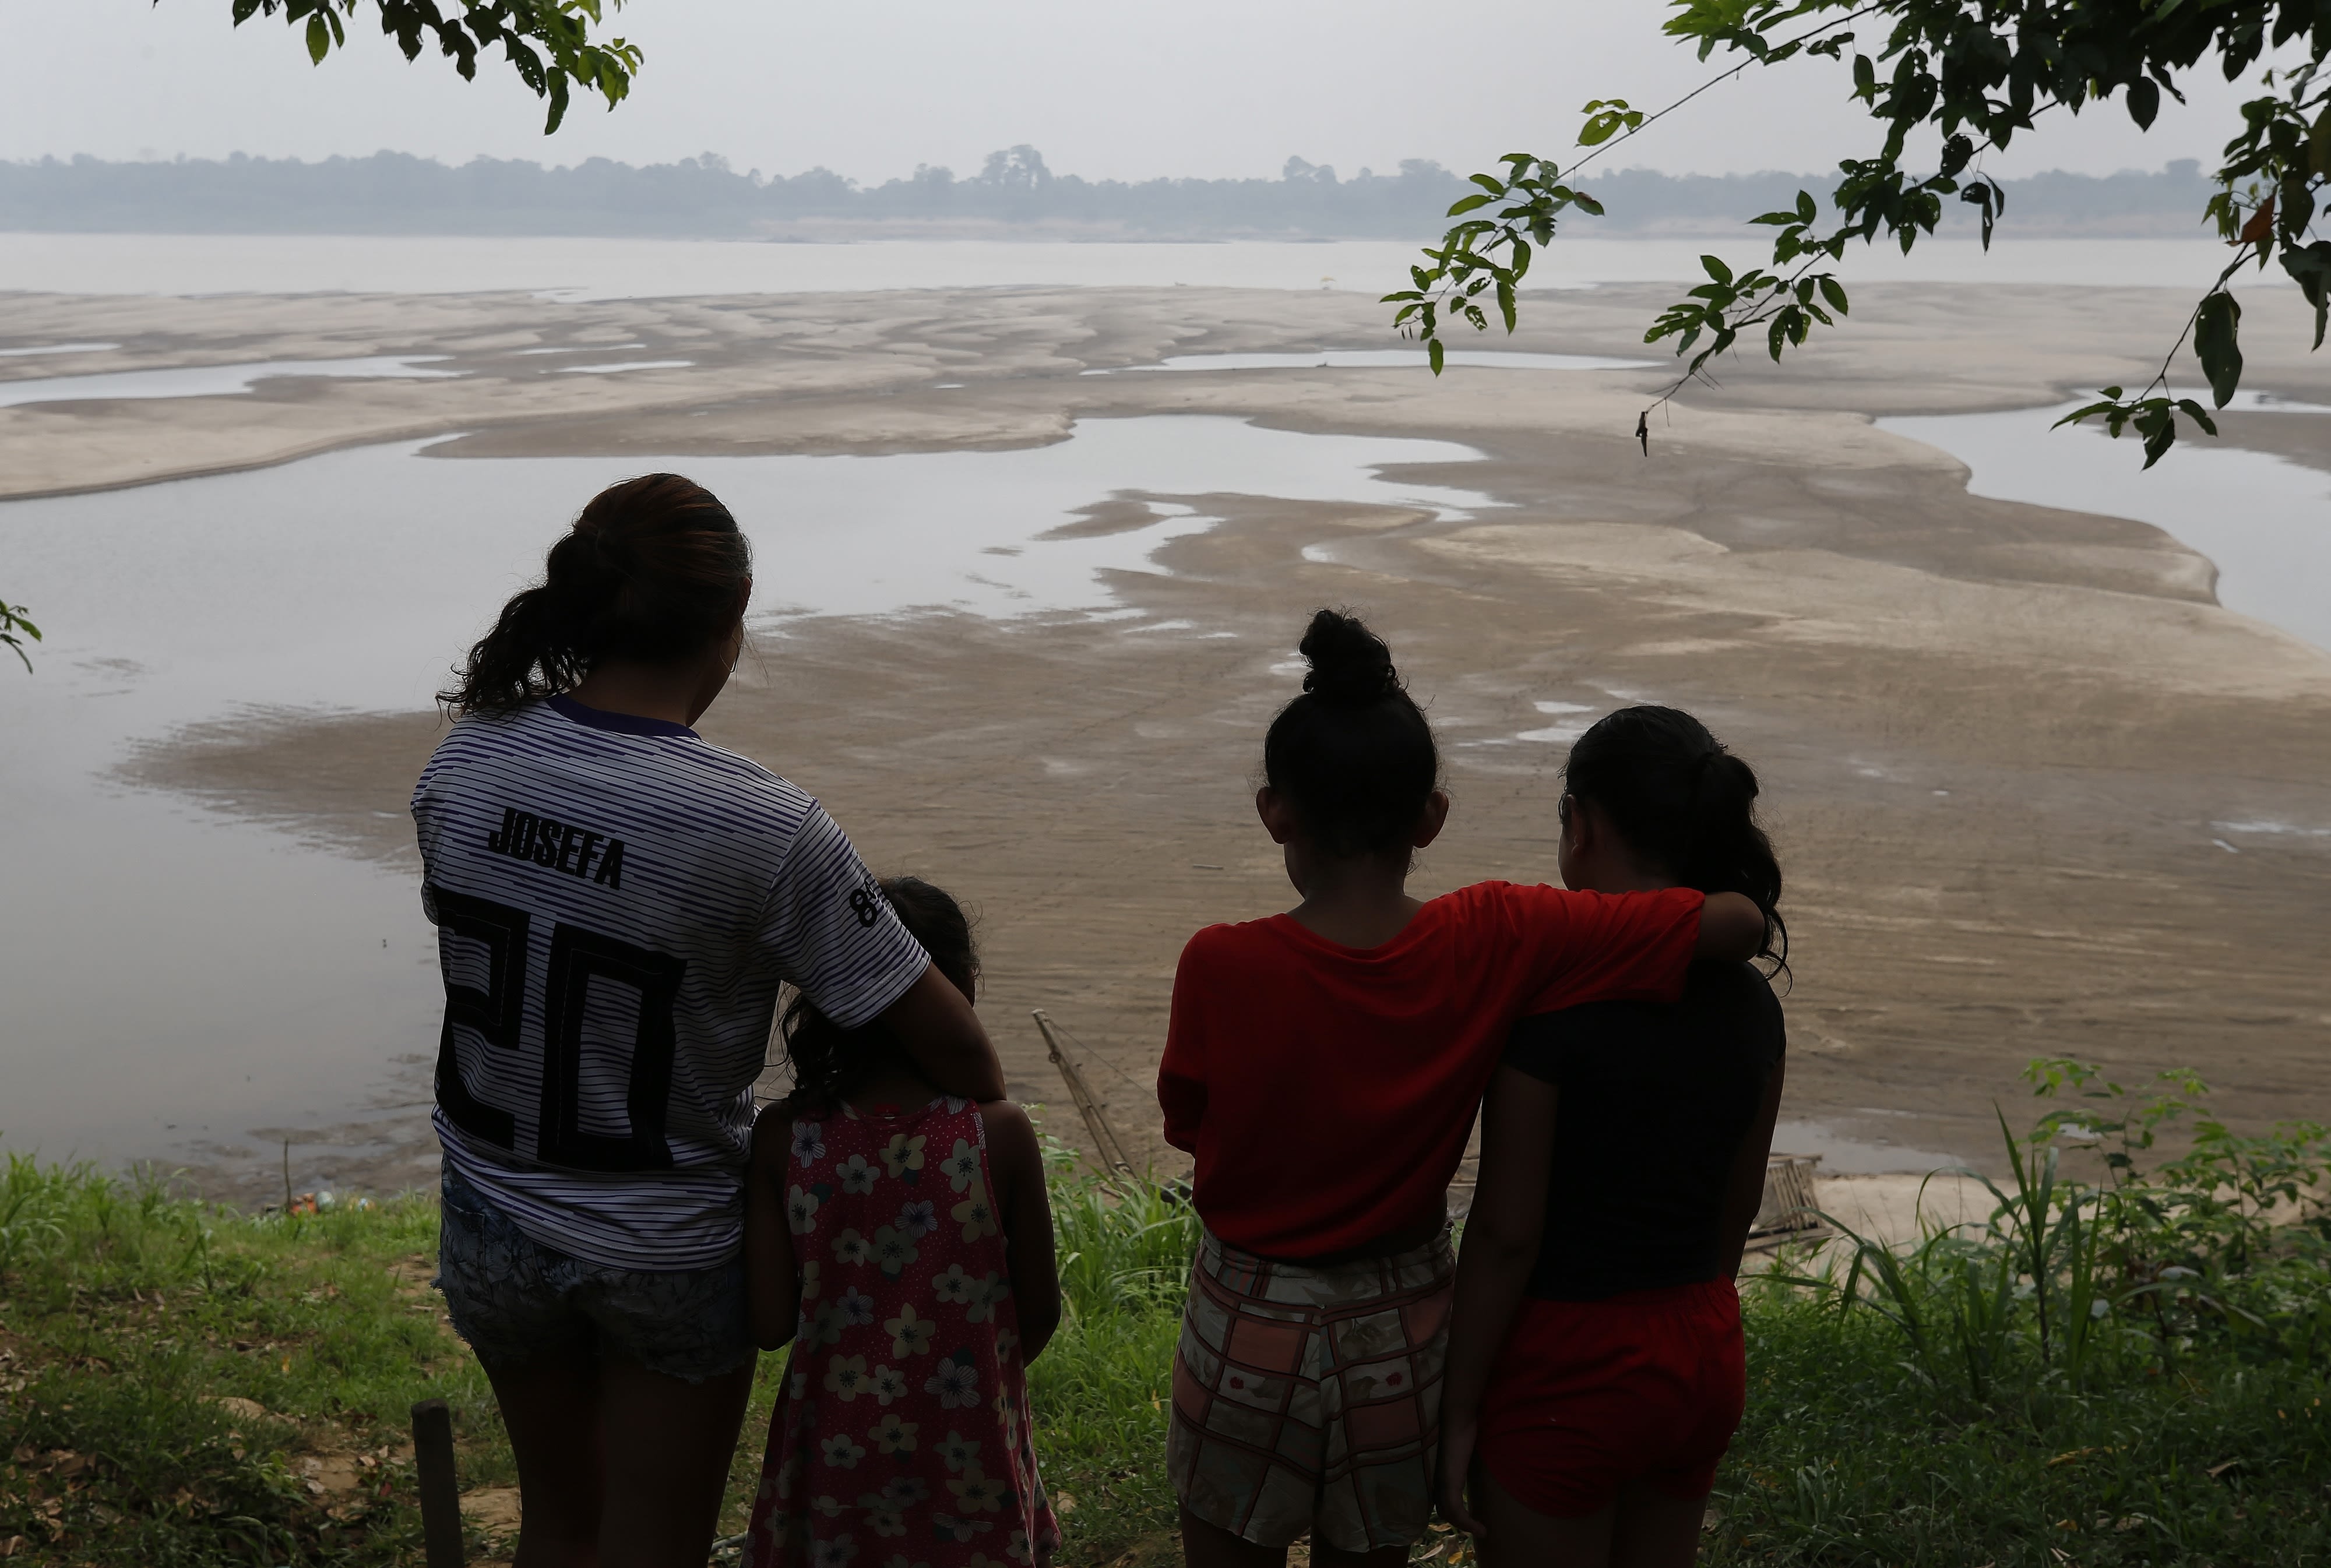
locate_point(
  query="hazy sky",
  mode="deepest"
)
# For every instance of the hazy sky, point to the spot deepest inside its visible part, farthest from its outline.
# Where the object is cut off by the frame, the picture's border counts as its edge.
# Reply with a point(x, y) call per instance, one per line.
point(1126, 89)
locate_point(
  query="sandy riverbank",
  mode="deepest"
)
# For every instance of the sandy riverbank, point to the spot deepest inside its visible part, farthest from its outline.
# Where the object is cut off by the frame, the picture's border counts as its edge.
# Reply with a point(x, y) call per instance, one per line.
point(1995, 737)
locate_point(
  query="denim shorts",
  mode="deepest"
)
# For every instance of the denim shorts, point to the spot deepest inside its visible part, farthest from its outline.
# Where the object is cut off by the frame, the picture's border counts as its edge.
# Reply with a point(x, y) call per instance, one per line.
point(512, 1300)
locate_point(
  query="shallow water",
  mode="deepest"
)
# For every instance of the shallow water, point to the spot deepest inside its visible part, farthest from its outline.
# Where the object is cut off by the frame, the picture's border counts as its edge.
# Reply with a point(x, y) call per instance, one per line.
point(173, 975)
point(609, 269)
point(213, 380)
point(1388, 359)
point(2264, 520)
point(625, 364)
point(57, 348)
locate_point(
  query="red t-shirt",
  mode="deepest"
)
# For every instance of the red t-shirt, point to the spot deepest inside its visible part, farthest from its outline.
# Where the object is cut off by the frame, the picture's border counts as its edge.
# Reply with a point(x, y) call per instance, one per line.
point(1328, 1091)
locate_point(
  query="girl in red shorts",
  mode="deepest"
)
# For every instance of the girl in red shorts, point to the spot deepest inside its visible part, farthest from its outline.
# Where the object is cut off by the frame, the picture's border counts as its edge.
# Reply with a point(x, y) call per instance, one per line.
point(1596, 1366)
point(1323, 1067)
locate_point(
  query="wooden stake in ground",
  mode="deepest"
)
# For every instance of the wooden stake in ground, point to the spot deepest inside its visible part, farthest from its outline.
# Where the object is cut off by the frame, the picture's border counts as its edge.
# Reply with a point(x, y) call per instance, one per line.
point(441, 1493)
point(1108, 1150)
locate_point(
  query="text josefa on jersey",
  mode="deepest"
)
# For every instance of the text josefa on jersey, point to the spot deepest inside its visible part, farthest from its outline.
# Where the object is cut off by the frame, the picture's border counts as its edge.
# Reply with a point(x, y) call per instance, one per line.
point(617, 904)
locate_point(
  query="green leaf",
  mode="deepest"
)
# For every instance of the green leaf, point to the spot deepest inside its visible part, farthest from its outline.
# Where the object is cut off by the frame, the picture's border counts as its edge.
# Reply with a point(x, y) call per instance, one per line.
point(2198, 415)
point(1435, 352)
point(2311, 268)
point(1834, 292)
point(1716, 269)
point(2144, 101)
point(2157, 443)
point(1467, 203)
point(1807, 210)
point(2217, 330)
point(320, 39)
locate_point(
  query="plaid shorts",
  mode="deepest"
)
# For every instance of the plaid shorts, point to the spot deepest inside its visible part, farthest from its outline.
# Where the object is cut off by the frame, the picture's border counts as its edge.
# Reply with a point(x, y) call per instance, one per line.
point(1309, 1399)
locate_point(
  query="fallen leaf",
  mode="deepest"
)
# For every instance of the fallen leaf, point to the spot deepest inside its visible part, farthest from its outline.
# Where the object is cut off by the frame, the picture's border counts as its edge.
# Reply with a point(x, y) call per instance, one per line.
point(242, 1409)
point(2074, 1455)
point(2214, 1471)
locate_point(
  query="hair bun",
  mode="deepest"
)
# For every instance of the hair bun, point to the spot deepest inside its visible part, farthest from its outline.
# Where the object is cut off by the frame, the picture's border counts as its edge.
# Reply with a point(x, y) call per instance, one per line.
point(1349, 663)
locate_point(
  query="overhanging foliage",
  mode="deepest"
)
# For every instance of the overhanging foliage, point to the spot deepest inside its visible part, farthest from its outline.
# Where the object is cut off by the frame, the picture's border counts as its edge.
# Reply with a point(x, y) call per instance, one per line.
point(1977, 72)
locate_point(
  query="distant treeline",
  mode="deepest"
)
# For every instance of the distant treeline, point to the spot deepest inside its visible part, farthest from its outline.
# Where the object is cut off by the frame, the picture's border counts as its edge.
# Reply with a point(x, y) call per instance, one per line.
point(704, 198)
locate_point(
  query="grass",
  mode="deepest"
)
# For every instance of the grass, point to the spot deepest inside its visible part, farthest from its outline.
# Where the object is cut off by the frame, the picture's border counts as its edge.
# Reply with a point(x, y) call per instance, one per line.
point(170, 1369)
point(1850, 1455)
point(184, 1386)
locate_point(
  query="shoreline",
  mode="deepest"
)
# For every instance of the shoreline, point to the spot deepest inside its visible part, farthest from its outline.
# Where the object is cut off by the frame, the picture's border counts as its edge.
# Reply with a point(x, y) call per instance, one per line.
point(1993, 736)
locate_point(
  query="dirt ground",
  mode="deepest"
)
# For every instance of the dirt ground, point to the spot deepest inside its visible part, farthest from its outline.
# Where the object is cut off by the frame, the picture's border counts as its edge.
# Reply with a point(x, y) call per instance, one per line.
point(1994, 739)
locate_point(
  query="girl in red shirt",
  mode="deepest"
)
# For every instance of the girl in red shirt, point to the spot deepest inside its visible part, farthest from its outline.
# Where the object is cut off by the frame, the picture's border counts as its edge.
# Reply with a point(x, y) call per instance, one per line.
point(1324, 1066)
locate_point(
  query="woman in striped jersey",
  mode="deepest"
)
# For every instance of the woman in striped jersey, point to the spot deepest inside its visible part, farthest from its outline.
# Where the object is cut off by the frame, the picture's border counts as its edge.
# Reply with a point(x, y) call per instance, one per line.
point(617, 904)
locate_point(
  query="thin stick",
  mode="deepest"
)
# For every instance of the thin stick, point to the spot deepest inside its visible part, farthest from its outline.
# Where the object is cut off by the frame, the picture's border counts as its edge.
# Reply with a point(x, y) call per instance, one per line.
point(441, 1493)
point(1106, 1143)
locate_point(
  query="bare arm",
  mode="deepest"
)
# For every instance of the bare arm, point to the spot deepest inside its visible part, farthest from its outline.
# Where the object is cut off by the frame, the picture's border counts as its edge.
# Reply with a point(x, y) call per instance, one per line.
point(1744, 1194)
point(772, 1282)
point(1731, 929)
point(1021, 1204)
point(945, 1038)
point(1502, 1235)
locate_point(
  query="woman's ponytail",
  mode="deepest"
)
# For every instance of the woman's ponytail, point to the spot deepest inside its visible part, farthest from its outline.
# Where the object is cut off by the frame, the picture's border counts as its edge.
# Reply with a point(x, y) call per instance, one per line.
point(654, 569)
point(1354, 753)
point(1684, 806)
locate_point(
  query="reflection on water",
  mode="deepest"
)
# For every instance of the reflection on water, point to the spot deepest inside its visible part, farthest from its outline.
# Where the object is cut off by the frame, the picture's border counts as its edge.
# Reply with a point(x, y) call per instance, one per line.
point(1388, 358)
point(57, 348)
point(172, 975)
point(2264, 520)
point(210, 380)
point(626, 365)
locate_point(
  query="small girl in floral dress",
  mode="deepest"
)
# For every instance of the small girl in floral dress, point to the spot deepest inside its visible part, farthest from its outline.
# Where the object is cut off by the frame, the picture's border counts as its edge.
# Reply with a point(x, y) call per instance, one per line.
point(901, 1239)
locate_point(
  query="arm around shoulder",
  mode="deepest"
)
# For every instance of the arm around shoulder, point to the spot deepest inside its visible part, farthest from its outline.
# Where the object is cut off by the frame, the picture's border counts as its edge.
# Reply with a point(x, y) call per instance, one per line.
point(1026, 1210)
point(935, 1022)
point(1731, 929)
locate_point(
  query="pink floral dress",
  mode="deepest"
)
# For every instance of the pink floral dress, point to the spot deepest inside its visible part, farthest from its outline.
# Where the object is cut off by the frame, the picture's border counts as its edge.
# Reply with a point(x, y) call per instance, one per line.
point(903, 1439)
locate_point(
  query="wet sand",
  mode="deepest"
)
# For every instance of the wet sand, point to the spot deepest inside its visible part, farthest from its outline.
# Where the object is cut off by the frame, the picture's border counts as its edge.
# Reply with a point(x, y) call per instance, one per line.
point(1995, 738)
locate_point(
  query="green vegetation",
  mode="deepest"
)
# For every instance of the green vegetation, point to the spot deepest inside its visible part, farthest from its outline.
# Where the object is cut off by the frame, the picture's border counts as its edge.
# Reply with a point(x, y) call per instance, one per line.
point(1964, 80)
point(2126, 1369)
point(546, 42)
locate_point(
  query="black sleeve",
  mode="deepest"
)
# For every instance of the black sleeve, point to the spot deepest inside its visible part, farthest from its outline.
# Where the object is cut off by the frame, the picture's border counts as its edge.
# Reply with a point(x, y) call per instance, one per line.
point(1540, 1044)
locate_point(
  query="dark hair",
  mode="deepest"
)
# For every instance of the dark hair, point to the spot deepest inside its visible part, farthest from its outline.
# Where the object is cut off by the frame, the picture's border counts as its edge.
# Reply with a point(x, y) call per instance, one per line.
point(828, 1063)
point(651, 570)
point(1684, 804)
point(1353, 753)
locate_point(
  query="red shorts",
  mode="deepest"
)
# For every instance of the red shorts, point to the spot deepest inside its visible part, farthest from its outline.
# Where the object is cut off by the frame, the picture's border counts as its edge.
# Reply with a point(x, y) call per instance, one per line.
point(1589, 1397)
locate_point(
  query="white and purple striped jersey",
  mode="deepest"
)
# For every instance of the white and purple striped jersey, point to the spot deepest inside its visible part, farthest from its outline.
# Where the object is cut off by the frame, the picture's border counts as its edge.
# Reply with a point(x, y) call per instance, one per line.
point(617, 903)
